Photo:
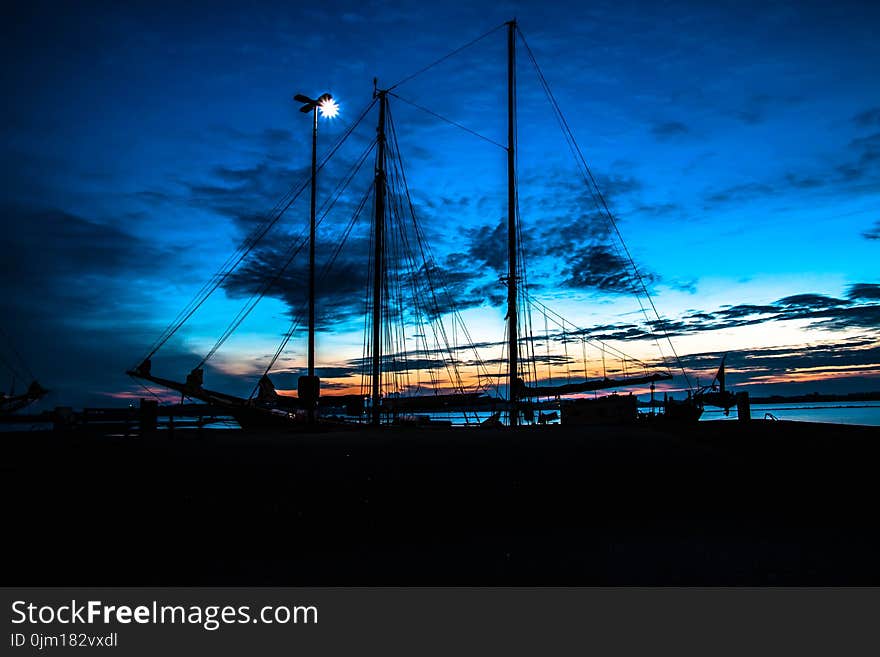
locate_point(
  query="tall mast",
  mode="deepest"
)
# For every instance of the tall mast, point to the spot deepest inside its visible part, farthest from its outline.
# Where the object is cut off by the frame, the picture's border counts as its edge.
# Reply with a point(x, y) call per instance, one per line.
point(378, 258)
point(512, 347)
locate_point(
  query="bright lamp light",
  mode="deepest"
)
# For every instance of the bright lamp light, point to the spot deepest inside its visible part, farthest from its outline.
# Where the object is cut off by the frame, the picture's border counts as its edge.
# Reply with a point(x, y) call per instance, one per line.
point(328, 108)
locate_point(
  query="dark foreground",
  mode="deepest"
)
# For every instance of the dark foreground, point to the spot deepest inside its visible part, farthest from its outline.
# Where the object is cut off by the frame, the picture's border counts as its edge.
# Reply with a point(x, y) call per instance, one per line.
point(720, 503)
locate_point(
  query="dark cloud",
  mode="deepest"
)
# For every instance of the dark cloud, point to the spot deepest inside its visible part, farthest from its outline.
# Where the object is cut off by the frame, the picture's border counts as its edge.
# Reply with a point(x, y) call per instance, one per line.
point(246, 194)
point(443, 289)
point(744, 310)
point(265, 138)
point(861, 166)
point(76, 294)
point(486, 249)
point(615, 186)
point(864, 291)
point(873, 233)
point(417, 288)
point(68, 267)
point(599, 268)
point(340, 291)
point(286, 379)
point(811, 301)
point(689, 286)
point(864, 316)
point(859, 311)
point(869, 117)
point(400, 362)
point(740, 193)
point(658, 209)
point(758, 106)
point(53, 243)
point(775, 364)
point(564, 191)
point(669, 130)
point(853, 170)
point(804, 182)
point(867, 148)
point(570, 227)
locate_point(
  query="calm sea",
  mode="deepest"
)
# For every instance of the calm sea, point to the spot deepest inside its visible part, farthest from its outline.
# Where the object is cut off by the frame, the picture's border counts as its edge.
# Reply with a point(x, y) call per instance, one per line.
point(867, 413)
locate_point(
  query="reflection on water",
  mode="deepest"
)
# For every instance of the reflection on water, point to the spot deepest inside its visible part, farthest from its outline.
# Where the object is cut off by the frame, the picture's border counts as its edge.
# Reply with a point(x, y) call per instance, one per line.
point(867, 413)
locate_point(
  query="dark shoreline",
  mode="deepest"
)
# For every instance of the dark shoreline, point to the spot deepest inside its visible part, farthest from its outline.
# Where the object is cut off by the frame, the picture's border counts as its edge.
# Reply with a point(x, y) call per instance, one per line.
point(718, 503)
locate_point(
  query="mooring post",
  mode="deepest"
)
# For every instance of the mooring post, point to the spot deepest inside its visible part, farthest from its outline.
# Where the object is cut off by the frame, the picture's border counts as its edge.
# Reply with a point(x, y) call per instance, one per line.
point(149, 413)
point(743, 407)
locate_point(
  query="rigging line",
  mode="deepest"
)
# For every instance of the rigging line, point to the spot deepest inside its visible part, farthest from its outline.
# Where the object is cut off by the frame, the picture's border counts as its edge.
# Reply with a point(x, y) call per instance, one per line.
point(560, 321)
point(387, 375)
point(428, 258)
point(398, 178)
point(596, 193)
point(246, 310)
point(12, 370)
point(421, 312)
point(392, 280)
point(21, 361)
point(567, 358)
point(294, 249)
point(597, 343)
point(251, 241)
point(527, 345)
point(297, 318)
point(590, 181)
point(395, 179)
point(584, 350)
point(451, 365)
point(410, 279)
point(610, 216)
point(547, 339)
point(445, 57)
point(145, 387)
point(345, 181)
point(522, 303)
point(367, 333)
point(394, 322)
point(325, 270)
point(450, 122)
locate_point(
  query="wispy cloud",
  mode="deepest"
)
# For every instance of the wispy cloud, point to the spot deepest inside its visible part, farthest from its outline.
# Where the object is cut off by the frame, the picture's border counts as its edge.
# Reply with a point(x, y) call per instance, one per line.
point(859, 310)
point(668, 130)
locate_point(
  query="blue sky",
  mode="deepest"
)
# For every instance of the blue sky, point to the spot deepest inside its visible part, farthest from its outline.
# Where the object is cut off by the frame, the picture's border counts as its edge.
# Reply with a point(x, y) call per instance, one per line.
point(738, 144)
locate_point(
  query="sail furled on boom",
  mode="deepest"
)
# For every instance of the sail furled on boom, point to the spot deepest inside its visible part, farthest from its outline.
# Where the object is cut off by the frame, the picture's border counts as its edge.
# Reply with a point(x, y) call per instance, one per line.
point(590, 386)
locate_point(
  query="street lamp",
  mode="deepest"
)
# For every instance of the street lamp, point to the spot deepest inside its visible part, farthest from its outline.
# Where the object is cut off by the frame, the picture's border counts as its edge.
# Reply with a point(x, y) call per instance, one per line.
point(309, 387)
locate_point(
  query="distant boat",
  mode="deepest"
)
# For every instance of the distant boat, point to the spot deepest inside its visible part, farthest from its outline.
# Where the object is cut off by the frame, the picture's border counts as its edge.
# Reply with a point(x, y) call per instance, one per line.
point(11, 403)
point(12, 361)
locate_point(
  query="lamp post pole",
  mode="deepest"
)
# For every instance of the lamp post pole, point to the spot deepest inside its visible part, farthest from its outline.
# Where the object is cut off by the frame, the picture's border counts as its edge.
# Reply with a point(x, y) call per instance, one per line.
point(311, 409)
point(309, 386)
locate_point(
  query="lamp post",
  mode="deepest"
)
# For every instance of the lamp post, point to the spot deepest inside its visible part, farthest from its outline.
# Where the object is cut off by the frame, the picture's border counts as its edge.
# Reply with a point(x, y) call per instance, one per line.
point(309, 387)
